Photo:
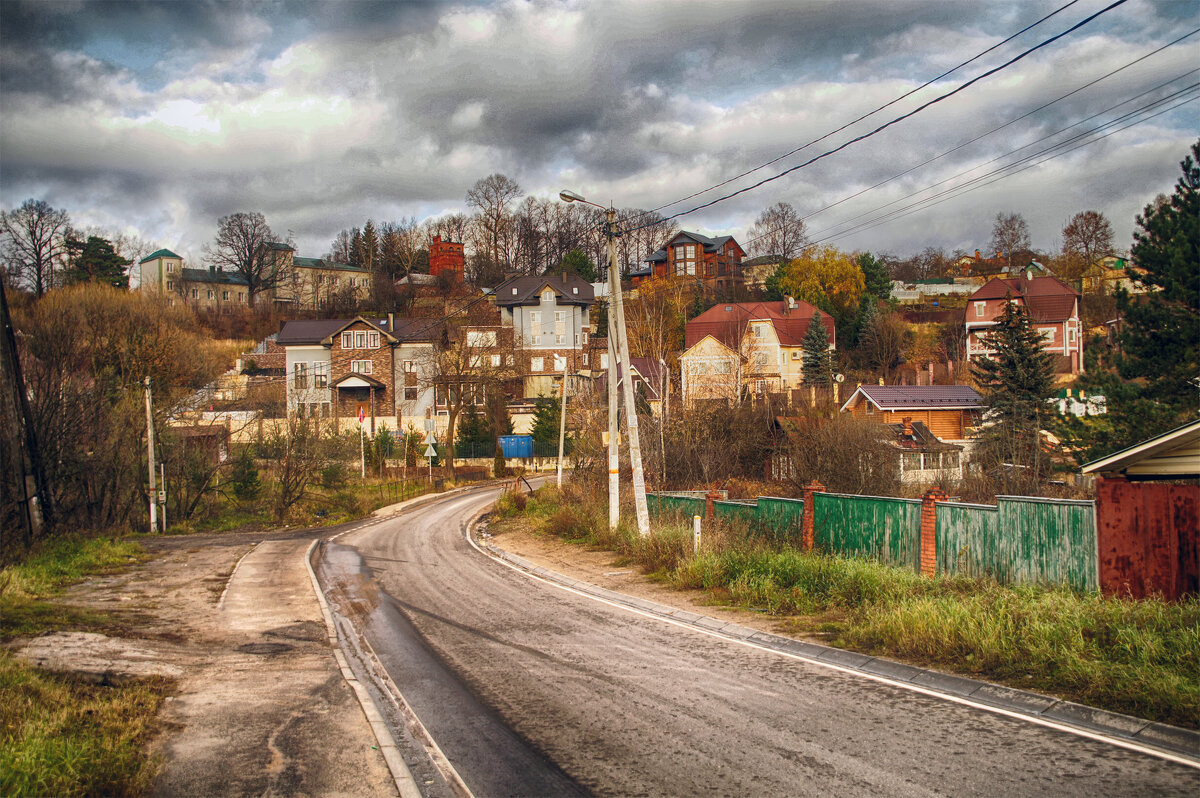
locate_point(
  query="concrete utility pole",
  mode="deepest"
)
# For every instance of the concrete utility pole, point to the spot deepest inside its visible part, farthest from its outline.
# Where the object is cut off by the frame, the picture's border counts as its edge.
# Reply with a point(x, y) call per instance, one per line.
point(614, 432)
point(150, 458)
point(616, 328)
point(631, 419)
point(562, 418)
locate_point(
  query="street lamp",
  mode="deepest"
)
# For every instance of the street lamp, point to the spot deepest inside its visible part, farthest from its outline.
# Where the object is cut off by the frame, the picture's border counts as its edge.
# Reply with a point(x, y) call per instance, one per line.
point(617, 327)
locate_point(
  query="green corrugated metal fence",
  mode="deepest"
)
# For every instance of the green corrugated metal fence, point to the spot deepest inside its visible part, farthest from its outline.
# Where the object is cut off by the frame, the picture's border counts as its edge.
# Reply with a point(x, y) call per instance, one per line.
point(882, 528)
point(783, 517)
point(745, 512)
point(1022, 540)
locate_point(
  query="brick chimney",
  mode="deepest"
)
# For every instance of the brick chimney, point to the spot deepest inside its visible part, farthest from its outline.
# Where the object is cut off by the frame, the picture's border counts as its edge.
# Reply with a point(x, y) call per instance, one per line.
point(908, 430)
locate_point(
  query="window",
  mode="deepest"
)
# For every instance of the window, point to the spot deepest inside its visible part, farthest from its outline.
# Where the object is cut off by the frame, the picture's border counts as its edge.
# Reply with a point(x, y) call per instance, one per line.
point(362, 366)
point(950, 460)
point(604, 360)
point(535, 322)
point(1048, 334)
point(408, 367)
point(721, 367)
point(300, 373)
point(333, 281)
point(910, 461)
point(870, 409)
point(324, 409)
point(548, 295)
point(347, 340)
point(320, 375)
point(351, 280)
point(585, 338)
point(760, 359)
point(481, 338)
point(410, 394)
point(760, 386)
point(170, 285)
point(195, 293)
point(537, 364)
point(210, 293)
point(514, 292)
point(560, 362)
point(372, 340)
point(685, 259)
point(760, 331)
point(495, 361)
point(584, 359)
point(560, 327)
point(797, 354)
point(360, 339)
point(320, 279)
point(170, 267)
point(1071, 336)
point(979, 308)
point(225, 296)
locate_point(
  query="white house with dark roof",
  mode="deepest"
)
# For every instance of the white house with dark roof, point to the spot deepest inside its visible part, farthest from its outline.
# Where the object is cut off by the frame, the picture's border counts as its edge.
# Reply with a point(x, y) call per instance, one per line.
point(551, 320)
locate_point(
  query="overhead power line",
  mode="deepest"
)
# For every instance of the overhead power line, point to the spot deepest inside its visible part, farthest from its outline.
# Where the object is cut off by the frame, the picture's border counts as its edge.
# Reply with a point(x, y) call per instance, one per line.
point(902, 117)
point(1188, 95)
point(871, 113)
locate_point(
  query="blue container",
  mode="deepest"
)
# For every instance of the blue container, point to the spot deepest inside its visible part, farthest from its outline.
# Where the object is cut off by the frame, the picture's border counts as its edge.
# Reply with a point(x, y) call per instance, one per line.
point(517, 445)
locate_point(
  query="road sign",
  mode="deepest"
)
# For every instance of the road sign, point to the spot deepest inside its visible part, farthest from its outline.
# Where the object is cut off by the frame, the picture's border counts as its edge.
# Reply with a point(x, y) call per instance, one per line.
point(430, 425)
point(429, 440)
point(430, 452)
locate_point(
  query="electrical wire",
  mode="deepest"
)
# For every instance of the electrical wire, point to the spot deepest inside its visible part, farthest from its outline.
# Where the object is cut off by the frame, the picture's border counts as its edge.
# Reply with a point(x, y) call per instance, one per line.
point(898, 119)
point(1029, 162)
point(888, 104)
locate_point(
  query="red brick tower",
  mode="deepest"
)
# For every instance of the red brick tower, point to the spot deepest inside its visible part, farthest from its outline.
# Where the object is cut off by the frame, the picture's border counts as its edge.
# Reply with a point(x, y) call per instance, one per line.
point(446, 256)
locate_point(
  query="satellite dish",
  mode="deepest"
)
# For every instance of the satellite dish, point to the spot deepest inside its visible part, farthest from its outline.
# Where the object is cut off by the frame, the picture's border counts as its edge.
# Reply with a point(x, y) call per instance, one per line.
point(839, 377)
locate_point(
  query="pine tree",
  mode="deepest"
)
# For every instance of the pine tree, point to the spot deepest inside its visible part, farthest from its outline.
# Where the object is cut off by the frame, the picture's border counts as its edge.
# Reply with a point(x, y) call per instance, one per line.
point(1016, 382)
point(818, 362)
point(546, 410)
point(1159, 339)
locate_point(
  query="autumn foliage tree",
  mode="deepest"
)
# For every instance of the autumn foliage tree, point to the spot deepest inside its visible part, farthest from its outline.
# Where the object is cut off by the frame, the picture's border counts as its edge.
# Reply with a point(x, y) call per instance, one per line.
point(822, 276)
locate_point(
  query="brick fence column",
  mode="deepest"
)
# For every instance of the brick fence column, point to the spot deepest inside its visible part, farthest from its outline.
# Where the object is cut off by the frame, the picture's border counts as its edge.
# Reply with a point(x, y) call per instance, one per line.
point(709, 510)
point(929, 529)
point(807, 534)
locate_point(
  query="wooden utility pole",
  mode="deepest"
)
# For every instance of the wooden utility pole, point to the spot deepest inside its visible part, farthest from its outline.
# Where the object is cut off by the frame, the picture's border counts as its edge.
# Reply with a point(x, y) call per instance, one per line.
point(22, 462)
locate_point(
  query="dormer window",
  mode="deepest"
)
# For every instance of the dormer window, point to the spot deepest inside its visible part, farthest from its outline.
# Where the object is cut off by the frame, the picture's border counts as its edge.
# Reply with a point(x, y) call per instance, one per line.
point(548, 295)
point(514, 292)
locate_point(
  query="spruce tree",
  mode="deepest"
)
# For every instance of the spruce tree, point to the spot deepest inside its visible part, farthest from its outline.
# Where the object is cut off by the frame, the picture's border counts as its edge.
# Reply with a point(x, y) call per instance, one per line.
point(1017, 383)
point(818, 362)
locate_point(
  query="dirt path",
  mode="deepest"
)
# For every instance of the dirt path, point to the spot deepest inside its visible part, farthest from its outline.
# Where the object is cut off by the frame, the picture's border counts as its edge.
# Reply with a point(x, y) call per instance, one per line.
point(261, 706)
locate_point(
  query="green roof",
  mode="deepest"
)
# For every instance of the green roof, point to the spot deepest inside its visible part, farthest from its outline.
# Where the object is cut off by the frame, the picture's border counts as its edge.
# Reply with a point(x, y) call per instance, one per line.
point(162, 253)
point(321, 263)
point(279, 245)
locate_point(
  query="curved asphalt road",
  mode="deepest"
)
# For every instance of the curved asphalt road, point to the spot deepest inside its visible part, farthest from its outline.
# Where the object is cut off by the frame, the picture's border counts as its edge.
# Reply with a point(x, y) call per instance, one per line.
point(628, 705)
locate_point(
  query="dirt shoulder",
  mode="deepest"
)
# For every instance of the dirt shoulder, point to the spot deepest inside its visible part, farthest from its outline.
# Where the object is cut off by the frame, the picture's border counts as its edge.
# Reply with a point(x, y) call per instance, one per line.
point(260, 705)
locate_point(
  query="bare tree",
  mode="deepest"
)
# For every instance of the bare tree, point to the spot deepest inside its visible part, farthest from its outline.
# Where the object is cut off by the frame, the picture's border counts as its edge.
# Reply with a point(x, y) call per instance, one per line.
point(882, 341)
point(779, 230)
point(469, 363)
point(491, 198)
point(34, 235)
point(1010, 234)
point(400, 245)
point(242, 247)
point(451, 227)
point(303, 453)
point(845, 454)
point(1086, 238)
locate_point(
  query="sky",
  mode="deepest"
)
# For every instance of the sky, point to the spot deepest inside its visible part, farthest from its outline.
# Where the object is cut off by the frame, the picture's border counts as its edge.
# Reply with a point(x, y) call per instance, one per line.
point(157, 118)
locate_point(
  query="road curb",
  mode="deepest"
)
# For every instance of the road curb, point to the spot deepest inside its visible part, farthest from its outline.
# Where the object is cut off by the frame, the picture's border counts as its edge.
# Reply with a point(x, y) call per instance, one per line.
point(401, 775)
point(1179, 744)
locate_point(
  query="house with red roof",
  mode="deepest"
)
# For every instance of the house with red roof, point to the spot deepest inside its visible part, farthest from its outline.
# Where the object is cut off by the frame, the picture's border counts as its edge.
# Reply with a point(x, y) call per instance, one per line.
point(755, 345)
point(1053, 308)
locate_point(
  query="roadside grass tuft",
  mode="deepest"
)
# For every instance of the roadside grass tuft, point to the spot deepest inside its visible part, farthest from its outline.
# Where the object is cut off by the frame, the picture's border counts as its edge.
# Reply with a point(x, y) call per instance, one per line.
point(1138, 657)
point(61, 734)
point(66, 737)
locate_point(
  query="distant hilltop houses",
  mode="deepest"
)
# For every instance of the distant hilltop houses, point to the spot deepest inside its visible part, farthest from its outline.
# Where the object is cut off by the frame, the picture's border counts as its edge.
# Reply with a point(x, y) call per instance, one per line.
point(293, 282)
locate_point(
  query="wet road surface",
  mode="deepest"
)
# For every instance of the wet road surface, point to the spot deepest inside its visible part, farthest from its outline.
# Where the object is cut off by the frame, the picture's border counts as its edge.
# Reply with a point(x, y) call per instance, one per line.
point(606, 701)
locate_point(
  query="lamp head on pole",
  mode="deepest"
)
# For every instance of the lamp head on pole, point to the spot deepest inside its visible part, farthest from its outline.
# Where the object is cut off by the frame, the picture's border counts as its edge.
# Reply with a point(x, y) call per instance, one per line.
point(570, 196)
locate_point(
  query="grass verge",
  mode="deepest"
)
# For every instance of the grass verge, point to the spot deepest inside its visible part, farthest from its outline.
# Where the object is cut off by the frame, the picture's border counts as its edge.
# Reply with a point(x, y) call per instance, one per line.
point(1136, 657)
point(62, 735)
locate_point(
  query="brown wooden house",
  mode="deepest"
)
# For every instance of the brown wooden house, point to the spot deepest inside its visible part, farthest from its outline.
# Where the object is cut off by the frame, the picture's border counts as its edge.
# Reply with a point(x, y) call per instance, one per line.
point(947, 410)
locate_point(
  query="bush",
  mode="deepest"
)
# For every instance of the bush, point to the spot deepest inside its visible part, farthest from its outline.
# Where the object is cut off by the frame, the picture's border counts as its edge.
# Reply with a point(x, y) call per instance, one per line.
point(333, 476)
point(243, 480)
